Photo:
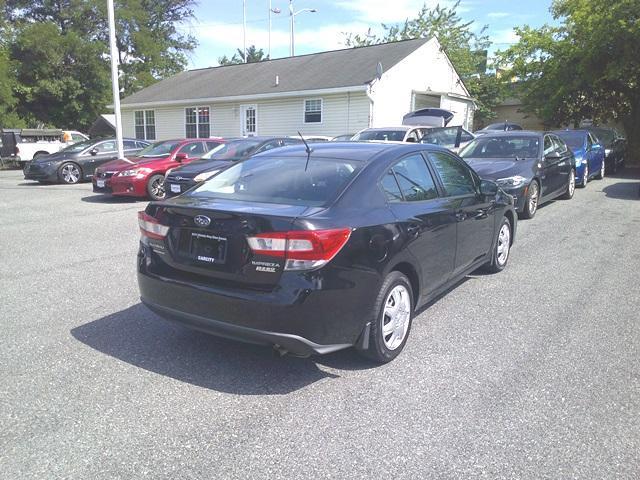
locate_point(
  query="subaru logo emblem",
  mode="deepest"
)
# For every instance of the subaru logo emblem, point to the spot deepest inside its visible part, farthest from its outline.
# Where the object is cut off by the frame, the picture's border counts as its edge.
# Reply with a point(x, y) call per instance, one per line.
point(178, 178)
point(201, 220)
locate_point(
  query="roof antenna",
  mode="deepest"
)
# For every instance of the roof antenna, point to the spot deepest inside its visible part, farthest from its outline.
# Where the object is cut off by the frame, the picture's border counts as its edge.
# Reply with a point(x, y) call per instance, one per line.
point(309, 150)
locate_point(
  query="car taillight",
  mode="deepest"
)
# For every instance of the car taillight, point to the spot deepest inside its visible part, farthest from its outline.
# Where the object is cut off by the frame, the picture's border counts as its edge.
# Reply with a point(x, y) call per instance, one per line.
point(151, 227)
point(301, 249)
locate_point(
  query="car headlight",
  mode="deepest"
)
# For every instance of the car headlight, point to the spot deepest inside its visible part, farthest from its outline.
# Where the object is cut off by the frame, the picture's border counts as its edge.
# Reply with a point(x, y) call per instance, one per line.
point(205, 175)
point(579, 160)
point(512, 182)
point(607, 151)
point(135, 172)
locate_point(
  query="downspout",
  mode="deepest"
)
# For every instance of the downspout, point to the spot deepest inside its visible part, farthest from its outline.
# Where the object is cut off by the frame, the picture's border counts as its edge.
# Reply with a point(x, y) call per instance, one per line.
point(369, 92)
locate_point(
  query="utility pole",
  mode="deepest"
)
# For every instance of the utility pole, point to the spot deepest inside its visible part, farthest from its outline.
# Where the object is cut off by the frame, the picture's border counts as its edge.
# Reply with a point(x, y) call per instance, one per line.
point(114, 77)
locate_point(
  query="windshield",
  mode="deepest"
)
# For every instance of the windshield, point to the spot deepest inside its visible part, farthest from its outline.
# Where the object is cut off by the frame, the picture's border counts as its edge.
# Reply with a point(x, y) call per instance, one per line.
point(160, 149)
point(233, 150)
point(78, 147)
point(574, 140)
point(282, 180)
point(385, 135)
point(502, 147)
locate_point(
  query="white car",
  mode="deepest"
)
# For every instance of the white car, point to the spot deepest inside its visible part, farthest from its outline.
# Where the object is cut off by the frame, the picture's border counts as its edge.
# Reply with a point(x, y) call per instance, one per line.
point(23, 145)
point(444, 136)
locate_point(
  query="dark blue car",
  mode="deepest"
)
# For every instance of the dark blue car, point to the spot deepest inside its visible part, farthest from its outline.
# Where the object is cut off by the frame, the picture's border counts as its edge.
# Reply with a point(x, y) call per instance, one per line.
point(589, 153)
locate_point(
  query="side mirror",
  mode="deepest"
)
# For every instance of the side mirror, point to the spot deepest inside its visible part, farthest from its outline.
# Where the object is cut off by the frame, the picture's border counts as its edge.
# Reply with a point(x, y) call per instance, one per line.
point(552, 155)
point(93, 151)
point(181, 157)
point(488, 188)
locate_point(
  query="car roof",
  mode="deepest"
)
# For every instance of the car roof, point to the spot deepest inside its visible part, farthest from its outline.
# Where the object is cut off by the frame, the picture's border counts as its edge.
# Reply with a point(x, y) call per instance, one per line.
point(511, 133)
point(358, 151)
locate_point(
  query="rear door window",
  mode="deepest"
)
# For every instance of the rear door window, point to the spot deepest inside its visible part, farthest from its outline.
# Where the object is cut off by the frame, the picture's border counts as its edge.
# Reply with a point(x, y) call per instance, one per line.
point(456, 177)
point(414, 179)
point(282, 180)
point(106, 147)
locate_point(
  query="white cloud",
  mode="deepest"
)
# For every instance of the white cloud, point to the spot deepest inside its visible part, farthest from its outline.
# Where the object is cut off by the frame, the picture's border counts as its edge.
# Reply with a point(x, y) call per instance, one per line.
point(498, 14)
point(504, 37)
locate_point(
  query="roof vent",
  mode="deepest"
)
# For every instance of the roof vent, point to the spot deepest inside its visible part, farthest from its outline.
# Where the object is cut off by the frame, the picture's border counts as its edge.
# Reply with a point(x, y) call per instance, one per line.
point(277, 81)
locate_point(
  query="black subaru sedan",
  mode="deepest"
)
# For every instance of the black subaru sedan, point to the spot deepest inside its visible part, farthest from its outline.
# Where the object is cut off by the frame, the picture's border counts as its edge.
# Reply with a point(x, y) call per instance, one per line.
point(534, 167)
point(313, 251)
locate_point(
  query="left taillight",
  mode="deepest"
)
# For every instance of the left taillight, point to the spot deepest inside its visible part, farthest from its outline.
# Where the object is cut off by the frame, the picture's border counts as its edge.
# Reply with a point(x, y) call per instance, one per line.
point(301, 249)
point(150, 227)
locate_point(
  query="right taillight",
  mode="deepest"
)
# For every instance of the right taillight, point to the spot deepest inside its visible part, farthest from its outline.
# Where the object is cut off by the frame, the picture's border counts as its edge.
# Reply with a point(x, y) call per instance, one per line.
point(301, 249)
point(150, 227)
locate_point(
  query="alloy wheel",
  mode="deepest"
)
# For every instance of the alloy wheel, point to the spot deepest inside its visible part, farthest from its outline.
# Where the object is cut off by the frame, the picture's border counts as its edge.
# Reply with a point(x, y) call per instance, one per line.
point(534, 195)
point(70, 173)
point(602, 168)
point(572, 184)
point(157, 188)
point(504, 243)
point(396, 316)
point(585, 175)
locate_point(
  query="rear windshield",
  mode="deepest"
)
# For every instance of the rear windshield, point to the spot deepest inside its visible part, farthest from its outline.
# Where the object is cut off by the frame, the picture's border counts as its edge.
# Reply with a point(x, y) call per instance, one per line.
point(384, 135)
point(282, 180)
point(233, 150)
point(572, 139)
point(508, 147)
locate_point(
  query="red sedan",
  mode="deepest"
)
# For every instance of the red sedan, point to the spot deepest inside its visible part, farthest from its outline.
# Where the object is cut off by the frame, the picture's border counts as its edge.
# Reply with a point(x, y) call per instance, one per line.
point(143, 175)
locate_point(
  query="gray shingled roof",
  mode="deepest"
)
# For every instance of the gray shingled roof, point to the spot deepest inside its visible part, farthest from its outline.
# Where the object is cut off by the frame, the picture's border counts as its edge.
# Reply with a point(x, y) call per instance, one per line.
point(339, 68)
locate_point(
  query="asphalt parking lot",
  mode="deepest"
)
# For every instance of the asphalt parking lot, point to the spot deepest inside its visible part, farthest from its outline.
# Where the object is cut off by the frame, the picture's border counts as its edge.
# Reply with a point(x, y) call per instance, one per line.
point(531, 373)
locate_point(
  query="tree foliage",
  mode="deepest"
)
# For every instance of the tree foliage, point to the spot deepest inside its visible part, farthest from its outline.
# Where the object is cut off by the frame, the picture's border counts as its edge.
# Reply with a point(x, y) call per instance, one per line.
point(58, 55)
point(587, 67)
point(466, 49)
point(253, 55)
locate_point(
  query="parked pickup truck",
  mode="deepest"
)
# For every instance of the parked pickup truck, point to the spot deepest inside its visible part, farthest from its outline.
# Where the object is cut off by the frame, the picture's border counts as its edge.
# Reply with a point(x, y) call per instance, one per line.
point(23, 145)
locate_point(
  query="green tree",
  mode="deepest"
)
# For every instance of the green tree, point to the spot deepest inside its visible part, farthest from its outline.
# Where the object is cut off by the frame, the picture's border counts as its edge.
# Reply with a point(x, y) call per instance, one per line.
point(253, 55)
point(61, 53)
point(466, 49)
point(588, 67)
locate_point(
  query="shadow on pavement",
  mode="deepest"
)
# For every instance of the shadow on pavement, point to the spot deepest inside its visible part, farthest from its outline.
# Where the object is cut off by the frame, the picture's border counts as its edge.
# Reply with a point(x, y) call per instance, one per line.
point(139, 337)
point(623, 190)
point(100, 198)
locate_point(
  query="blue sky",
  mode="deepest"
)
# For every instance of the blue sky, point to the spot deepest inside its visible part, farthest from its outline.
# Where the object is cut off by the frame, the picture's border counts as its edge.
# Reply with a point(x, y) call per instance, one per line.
point(218, 23)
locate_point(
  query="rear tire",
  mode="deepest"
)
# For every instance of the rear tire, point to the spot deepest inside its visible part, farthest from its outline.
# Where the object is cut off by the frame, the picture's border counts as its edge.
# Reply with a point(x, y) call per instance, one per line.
point(70, 173)
point(391, 322)
point(532, 200)
point(500, 249)
point(155, 187)
point(571, 186)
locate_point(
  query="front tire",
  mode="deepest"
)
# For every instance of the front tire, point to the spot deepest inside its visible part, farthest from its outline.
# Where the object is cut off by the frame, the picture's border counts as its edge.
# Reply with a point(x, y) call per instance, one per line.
point(571, 186)
point(532, 200)
point(585, 176)
point(501, 248)
point(155, 187)
point(393, 313)
point(600, 175)
point(70, 173)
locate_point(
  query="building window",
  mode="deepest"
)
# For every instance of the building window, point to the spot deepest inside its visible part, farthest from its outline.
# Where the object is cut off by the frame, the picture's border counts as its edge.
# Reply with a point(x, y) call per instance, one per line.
point(313, 111)
point(145, 121)
point(197, 122)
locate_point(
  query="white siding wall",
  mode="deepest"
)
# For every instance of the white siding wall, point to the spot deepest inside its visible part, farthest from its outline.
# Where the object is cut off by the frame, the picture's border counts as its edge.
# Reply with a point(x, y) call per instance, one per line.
point(341, 113)
point(425, 70)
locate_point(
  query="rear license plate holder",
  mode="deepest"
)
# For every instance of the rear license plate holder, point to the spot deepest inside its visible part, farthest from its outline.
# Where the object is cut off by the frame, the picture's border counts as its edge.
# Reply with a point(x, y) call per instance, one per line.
point(175, 188)
point(207, 248)
point(100, 183)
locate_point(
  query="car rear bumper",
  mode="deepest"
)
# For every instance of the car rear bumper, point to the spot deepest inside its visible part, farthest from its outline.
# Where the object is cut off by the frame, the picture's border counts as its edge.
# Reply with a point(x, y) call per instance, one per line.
point(304, 314)
point(291, 343)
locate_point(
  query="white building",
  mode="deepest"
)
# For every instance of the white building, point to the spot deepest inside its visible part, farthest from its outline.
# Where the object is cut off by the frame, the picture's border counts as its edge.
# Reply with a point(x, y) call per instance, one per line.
point(328, 93)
